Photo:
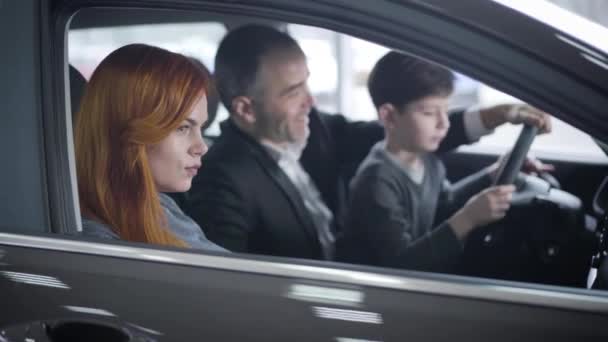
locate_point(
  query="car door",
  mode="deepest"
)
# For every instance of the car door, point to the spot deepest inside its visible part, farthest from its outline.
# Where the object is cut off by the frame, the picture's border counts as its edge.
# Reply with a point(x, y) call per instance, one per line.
point(96, 291)
point(55, 287)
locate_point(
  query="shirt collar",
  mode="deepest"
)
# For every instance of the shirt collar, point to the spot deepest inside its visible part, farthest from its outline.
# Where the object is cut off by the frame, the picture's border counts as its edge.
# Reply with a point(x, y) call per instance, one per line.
point(278, 153)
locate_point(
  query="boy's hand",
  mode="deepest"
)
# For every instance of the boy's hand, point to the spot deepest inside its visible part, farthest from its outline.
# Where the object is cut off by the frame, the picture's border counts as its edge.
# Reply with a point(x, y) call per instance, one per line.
point(487, 206)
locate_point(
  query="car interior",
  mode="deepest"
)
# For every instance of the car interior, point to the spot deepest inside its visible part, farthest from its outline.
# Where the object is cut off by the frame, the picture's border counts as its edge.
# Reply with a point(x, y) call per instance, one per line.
point(552, 234)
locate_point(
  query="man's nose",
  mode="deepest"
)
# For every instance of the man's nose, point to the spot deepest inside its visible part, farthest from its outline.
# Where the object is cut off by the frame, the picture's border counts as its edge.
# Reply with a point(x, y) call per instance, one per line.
point(310, 100)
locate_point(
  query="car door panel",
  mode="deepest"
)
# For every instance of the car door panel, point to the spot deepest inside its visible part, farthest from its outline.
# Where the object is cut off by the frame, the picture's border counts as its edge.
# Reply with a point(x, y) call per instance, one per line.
point(164, 295)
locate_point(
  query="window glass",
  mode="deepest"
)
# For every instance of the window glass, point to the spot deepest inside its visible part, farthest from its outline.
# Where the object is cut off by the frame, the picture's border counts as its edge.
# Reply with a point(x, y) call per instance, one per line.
point(320, 47)
point(340, 65)
point(563, 143)
point(87, 47)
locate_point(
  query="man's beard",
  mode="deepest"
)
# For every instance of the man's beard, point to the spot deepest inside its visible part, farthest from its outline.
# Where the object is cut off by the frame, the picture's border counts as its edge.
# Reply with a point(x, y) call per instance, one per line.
point(297, 147)
point(279, 132)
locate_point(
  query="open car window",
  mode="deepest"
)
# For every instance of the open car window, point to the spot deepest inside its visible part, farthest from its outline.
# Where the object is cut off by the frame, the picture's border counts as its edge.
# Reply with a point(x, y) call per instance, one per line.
point(88, 46)
point(339, 66)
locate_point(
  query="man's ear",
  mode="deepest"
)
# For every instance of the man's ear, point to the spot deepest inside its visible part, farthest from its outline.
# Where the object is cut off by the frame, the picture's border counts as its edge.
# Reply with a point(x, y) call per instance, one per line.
point(386, 115)
point(242, 107)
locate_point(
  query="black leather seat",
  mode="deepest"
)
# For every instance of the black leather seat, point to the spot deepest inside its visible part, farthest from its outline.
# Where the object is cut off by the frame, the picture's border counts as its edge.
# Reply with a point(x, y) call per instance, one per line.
point(77, 84)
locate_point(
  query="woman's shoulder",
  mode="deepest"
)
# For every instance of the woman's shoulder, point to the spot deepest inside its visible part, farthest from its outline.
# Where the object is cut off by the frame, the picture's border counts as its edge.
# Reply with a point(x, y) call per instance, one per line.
point(96, 229)
point(184, 226)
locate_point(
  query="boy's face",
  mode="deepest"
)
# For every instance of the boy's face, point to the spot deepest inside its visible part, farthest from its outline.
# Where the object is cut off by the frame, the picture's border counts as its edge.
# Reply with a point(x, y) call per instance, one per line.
point(420, 125)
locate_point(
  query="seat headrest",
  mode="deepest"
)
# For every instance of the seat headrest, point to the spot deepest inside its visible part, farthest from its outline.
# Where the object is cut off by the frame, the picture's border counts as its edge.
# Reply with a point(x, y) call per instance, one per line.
point(77, 85)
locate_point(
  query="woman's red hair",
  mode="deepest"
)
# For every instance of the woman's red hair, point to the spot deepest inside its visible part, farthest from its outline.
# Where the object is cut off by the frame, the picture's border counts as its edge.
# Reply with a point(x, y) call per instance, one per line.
point(136, 97)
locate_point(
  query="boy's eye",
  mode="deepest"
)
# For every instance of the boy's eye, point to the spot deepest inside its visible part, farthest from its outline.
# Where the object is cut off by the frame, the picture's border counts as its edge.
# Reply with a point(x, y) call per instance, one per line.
point(293, 93)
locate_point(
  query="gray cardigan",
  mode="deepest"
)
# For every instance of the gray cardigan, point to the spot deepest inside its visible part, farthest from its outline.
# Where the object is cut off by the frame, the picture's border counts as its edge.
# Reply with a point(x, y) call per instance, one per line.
point(394, 221)
point(180, 224)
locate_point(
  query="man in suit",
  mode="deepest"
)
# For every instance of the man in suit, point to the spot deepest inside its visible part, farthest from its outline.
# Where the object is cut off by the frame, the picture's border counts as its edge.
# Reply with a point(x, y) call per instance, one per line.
point(275, 181)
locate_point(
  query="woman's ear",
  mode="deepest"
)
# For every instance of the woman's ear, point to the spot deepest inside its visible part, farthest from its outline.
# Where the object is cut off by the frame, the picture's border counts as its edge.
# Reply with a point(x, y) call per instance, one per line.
point(386, 115)
point(242, 107)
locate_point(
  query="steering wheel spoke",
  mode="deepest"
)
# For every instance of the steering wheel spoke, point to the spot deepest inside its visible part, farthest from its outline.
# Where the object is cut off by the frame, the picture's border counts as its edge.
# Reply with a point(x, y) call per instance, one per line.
point(510, 166)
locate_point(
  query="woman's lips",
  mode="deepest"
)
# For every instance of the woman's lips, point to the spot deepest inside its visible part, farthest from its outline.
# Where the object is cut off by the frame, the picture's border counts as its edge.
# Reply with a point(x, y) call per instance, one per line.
point(192, 170)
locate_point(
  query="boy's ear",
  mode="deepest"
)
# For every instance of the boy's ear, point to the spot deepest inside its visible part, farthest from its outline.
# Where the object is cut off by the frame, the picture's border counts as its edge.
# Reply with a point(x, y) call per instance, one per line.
point(386, 115)
point(242, 108)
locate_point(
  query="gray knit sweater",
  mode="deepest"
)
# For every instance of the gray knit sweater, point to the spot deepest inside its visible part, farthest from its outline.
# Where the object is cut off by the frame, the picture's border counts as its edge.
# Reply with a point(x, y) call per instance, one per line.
point(180, 224)
point(394, 221)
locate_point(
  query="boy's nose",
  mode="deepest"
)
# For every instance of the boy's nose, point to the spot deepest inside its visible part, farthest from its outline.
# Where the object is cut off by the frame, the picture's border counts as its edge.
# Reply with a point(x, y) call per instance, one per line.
point(444, 121)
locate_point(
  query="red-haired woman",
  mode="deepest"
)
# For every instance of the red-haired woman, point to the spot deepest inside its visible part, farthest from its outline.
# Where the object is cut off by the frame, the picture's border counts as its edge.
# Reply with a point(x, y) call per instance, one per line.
point(137, 135)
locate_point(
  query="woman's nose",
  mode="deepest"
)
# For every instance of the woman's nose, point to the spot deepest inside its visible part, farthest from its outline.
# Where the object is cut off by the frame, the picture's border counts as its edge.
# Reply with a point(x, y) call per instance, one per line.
point(199, 147)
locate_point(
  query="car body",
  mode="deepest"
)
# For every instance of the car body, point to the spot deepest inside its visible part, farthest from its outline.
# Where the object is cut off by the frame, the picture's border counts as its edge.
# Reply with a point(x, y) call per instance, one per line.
point(55, 286)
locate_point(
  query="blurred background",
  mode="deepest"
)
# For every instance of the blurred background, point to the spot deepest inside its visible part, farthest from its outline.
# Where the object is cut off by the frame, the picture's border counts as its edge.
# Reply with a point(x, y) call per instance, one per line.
point(340, 64)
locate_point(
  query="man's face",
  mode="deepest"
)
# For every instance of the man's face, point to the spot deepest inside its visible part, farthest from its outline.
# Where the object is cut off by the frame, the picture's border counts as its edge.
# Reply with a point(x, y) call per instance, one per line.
point(283, 102)
point(421, 125)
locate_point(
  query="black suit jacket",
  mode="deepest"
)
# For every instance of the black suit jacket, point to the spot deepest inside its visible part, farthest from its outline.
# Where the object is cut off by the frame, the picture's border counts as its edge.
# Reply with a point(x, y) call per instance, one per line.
point(246, 203)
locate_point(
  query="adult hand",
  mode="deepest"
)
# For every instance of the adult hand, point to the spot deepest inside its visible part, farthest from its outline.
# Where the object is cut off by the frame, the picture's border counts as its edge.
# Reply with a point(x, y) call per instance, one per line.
point(532, 166)
point(495, 116)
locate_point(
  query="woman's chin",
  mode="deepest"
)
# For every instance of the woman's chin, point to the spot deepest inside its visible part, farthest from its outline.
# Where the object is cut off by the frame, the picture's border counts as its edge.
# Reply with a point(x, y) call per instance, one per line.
point(185, 187)
point(182, 187)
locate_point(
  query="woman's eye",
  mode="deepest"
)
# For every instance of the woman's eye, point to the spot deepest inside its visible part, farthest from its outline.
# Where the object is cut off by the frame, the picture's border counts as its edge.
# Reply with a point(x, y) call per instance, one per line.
point(183, 128)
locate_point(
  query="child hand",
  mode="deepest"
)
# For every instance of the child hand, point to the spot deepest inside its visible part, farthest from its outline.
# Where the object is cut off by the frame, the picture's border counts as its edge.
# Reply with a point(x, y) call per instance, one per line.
point(487, 206)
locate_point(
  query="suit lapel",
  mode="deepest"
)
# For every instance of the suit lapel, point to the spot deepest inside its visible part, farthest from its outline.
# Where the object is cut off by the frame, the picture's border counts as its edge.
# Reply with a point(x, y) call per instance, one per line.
point(270, 166)
point(290, 191)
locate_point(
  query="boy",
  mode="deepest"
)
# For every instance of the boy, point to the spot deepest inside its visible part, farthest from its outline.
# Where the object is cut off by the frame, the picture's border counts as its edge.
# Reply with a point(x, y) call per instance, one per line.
point(400, 197)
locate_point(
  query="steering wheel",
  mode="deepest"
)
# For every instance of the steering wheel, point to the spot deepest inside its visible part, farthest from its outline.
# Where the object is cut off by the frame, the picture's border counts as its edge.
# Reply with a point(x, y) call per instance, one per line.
point(510, 166)
point(484, 242)
point(543, 239)
point(507, 172)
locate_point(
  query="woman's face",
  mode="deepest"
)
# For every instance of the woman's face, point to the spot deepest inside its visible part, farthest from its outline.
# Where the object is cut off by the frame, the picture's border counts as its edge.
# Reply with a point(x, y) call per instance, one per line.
point(176, 159)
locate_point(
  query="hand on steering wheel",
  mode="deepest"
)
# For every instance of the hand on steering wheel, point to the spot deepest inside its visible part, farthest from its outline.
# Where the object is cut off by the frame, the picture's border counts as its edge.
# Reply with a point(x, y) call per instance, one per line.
point(511, 163)
point(509, 167)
